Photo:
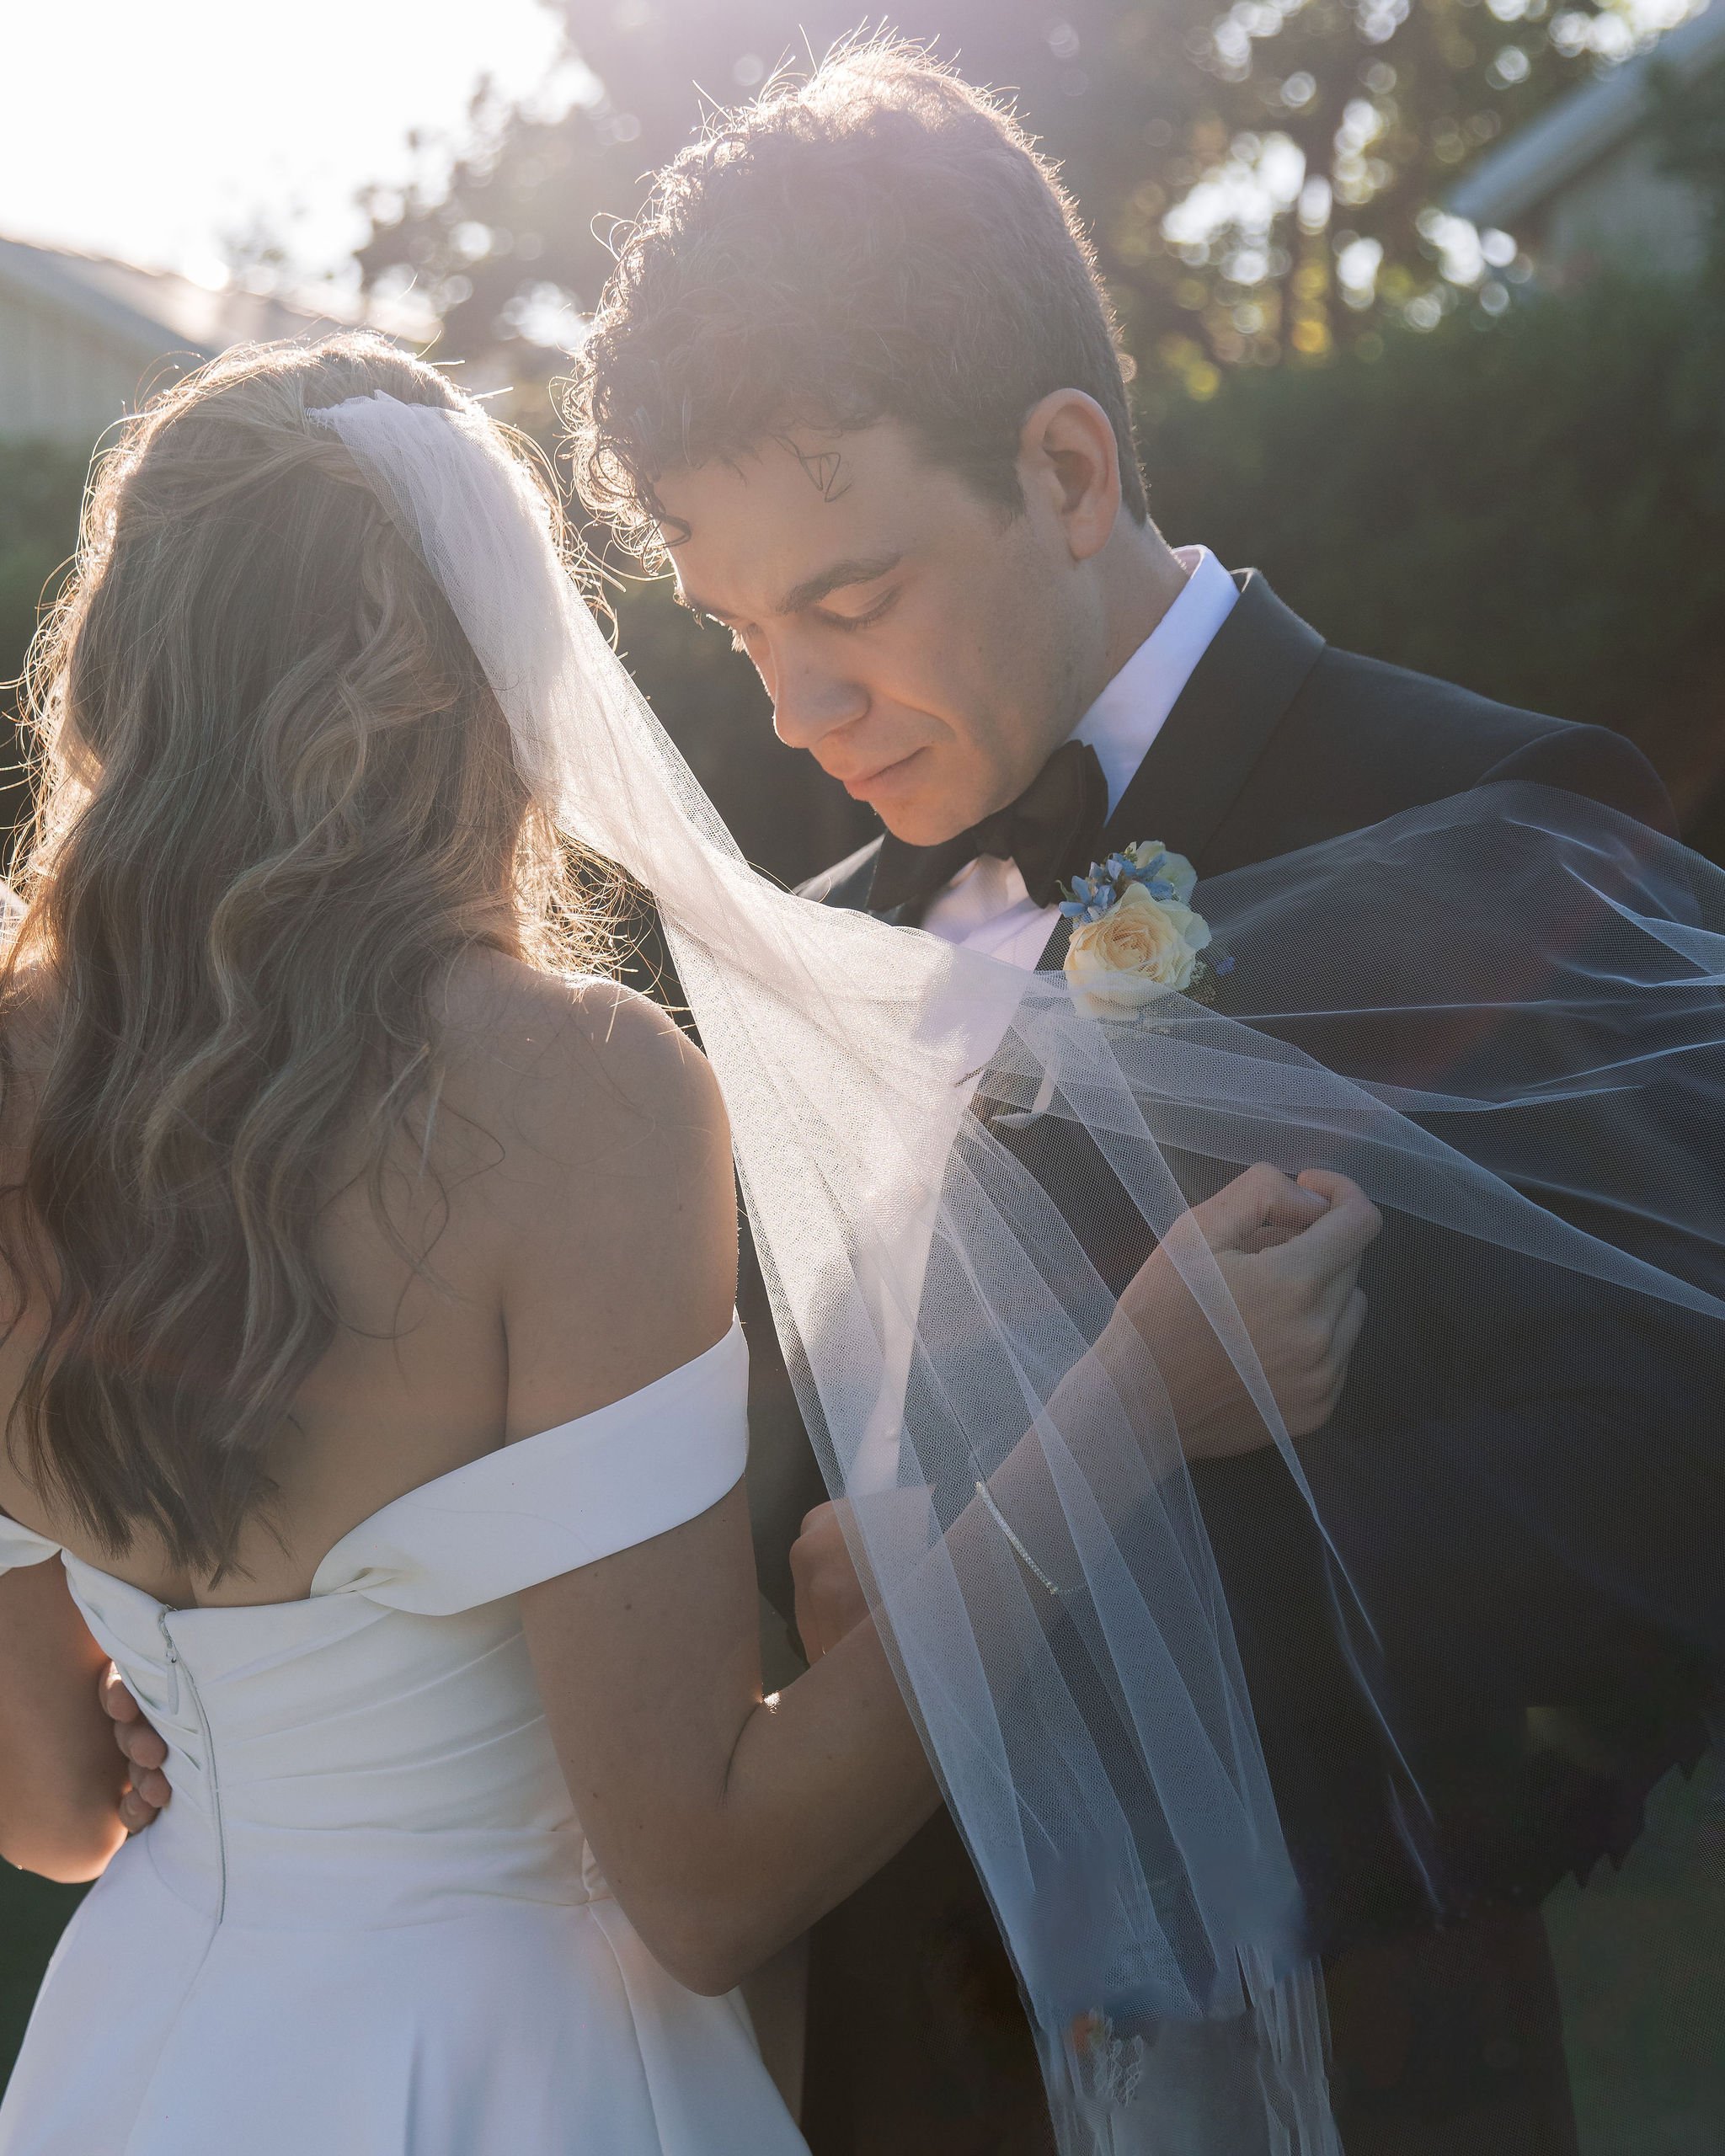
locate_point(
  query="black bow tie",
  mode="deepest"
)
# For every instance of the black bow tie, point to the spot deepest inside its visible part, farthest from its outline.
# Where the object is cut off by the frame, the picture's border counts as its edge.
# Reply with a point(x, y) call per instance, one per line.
point(1052, 831)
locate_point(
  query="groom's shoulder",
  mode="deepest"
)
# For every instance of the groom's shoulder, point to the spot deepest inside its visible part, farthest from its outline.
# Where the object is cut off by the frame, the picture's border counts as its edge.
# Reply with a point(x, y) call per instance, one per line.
point(847, 883)
point(1419, 735)
point(1414, 714)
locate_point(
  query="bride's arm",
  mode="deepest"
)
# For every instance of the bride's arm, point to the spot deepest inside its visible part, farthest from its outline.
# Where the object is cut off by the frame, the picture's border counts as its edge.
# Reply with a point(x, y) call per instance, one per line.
point(724, 1824)
point(60, 1778)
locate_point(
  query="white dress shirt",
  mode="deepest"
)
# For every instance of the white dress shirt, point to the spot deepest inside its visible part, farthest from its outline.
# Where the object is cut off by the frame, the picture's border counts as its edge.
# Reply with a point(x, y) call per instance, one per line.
point(986, 907)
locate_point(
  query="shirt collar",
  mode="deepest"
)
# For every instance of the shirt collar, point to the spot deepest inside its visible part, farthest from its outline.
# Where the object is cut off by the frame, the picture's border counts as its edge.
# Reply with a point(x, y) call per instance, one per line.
point(1130, 713)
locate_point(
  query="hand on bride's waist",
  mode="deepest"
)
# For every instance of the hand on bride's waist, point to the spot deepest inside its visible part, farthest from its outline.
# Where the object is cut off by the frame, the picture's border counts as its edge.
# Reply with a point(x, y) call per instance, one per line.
point(146, 1754)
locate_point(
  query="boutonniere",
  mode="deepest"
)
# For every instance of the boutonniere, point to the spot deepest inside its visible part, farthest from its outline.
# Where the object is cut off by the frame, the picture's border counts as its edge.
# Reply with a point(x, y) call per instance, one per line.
point(1134, 936)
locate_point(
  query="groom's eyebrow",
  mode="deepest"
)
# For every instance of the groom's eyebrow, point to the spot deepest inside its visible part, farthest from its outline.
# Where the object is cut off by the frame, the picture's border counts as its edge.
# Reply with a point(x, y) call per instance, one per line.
point(813, 589)
point(860, 569)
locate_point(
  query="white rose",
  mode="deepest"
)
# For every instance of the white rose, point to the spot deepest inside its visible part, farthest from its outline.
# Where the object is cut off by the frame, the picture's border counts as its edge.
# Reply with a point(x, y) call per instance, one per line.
point(1141, 948)
point(1172, 867)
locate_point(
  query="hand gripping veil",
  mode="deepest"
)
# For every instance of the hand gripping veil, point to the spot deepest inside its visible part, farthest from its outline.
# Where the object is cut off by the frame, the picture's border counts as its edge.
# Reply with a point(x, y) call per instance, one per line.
point(1501, 1015)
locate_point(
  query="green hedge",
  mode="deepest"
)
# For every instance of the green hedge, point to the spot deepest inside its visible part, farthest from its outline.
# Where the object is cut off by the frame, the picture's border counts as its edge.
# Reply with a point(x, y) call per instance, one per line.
point(1534, 507)
point(41, 486)
point(33, 1914)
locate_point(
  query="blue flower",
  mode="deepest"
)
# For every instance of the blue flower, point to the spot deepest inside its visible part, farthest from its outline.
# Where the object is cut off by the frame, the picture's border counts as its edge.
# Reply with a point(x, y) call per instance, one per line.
point(1125, 870)
point(1090, 897)
point(1224, 966)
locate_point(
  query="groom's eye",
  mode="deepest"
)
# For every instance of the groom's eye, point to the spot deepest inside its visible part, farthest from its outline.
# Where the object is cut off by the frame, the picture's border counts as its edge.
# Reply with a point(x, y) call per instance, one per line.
point(861, 620)
point(738, 631)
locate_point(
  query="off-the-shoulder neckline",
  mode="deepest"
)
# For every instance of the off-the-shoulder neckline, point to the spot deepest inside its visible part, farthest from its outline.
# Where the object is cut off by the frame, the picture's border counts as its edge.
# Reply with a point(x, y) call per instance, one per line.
point(472, 1469)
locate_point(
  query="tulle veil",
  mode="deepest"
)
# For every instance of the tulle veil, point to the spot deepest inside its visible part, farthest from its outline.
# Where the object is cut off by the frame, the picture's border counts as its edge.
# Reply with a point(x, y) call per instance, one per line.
point(1501, 1014)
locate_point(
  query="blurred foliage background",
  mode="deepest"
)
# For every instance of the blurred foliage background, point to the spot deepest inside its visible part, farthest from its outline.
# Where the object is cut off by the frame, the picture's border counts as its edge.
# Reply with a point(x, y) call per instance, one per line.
point(1262, 181)
point(1434, 458)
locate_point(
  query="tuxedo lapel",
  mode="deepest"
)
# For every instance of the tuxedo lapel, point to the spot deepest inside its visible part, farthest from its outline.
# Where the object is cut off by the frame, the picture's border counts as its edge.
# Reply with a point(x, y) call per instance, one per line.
point(1054, 952)
point(1198, 763)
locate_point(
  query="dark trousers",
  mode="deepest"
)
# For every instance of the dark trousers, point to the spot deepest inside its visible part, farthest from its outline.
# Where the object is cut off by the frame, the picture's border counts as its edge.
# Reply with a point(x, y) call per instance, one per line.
point(1448, 2043)
point(1444, 2044)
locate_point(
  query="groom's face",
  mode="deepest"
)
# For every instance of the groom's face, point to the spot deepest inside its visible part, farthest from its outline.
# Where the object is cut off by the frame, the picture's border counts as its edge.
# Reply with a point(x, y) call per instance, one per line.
point(914, 637)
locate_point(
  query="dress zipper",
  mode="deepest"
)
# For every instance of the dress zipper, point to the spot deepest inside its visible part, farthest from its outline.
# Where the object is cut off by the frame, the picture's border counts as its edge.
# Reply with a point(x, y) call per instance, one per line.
point(182, 1675)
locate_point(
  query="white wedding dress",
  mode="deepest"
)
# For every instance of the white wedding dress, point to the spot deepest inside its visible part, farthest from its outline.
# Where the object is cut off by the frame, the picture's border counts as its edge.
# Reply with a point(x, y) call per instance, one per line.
point(368, 1924)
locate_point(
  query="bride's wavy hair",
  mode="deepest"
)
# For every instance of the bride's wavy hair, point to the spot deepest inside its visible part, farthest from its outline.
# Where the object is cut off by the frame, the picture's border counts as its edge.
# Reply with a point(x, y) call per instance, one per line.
point(276, 803)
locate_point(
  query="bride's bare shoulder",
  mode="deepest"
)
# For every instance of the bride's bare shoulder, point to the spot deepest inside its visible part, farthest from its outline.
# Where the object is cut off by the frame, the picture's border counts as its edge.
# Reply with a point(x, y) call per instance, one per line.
point(610, 1187)
point(573, 1068)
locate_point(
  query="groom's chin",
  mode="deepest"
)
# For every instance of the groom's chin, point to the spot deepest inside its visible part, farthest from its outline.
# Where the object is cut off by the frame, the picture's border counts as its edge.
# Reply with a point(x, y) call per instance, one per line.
point(931, 820)
point(934, 828)
point(936, 794)
point(924, 815)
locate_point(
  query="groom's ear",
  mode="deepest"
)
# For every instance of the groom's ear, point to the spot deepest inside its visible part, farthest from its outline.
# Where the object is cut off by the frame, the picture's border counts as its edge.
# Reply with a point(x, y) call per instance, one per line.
point(1069, 464)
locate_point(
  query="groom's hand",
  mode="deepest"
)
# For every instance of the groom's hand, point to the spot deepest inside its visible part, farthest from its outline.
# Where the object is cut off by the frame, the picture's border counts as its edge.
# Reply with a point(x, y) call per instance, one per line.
point(146, 1753)
point(1288, 1250)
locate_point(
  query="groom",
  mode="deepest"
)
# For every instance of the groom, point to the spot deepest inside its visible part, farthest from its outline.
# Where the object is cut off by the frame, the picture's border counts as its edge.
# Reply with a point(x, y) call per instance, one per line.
point(855, 380)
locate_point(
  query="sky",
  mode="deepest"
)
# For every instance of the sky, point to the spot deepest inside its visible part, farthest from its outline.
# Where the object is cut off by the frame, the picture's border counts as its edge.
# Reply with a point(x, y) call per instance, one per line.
point(151, 133)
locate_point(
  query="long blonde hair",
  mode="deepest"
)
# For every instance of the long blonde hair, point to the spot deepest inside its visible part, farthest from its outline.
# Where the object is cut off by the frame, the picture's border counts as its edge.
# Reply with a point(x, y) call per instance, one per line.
point(276, 804)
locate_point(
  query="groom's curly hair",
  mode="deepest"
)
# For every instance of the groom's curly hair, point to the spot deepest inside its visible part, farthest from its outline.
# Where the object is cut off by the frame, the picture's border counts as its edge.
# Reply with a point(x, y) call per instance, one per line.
point(879, 241)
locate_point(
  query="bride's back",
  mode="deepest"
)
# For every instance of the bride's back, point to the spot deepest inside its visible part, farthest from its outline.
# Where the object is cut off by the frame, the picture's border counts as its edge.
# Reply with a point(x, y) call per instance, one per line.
point(295, 1064)
point(416, 1379)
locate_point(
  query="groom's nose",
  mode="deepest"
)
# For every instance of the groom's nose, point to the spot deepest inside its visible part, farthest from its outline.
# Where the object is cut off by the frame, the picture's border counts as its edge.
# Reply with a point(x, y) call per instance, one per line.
point(810, 700)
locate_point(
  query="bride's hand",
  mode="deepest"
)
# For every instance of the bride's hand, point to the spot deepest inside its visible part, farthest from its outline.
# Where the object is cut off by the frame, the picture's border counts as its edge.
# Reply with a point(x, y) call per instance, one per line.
point(831, 1599)
point(1288, 1250)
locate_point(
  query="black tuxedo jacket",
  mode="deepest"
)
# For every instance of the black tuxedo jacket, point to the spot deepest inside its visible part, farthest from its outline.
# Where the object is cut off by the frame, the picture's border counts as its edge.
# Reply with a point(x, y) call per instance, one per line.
point(917, 2040)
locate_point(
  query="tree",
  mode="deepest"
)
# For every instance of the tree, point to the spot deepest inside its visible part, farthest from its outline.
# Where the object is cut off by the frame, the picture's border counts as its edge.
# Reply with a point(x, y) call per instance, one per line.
point(1294, 205)
point(1264, 182)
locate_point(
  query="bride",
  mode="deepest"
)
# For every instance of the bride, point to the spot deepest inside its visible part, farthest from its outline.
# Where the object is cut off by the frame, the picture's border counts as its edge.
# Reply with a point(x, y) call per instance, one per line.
point(370, 1365)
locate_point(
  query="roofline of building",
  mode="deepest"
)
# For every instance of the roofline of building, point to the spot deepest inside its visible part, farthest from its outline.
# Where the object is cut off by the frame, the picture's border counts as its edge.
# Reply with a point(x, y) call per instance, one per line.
point(1583, 126)
point(43, 271)
point(51, 273)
